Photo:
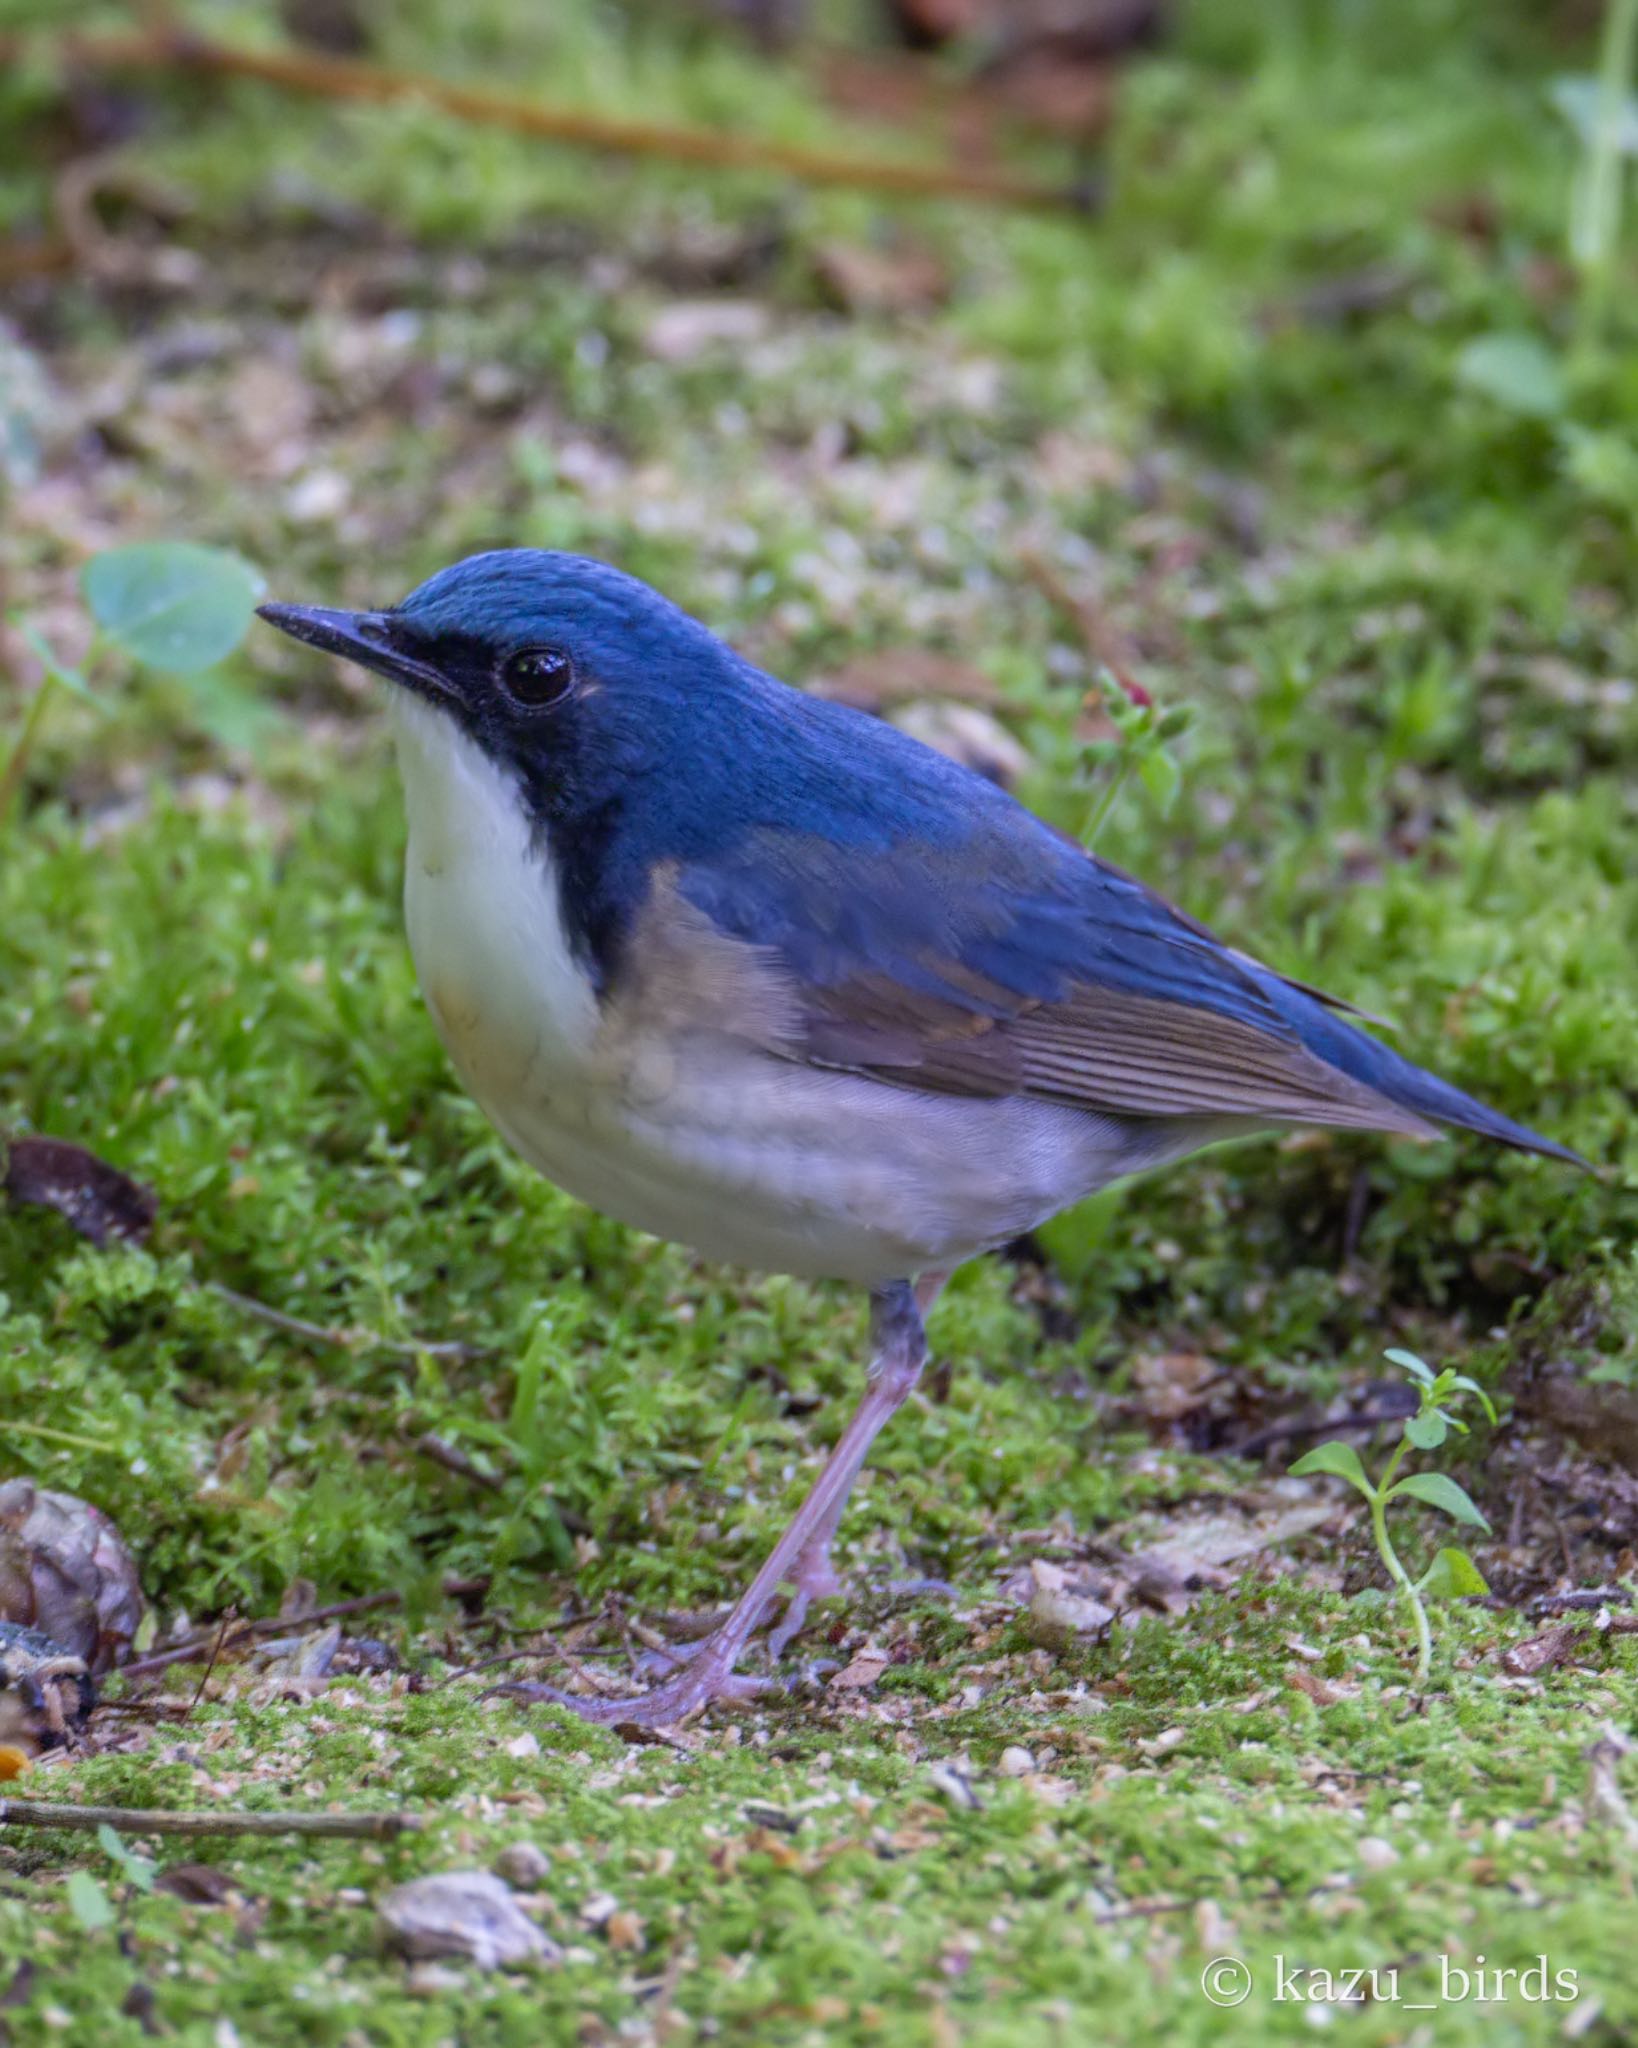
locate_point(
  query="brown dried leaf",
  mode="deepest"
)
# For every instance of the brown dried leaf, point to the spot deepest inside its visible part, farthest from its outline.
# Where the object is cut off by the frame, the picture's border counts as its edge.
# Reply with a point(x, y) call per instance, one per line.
point(1173, 1382)
point(899, 278)
point(866, 1667)
point(200, 1884)
point(1314, 1687)
point(1544, 1652)
point(96, 1198)
point(65, 1571)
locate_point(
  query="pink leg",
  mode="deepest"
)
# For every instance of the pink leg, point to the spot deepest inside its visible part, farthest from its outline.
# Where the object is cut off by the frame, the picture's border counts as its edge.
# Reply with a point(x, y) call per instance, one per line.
point(813, 1576)
point(900, 1352)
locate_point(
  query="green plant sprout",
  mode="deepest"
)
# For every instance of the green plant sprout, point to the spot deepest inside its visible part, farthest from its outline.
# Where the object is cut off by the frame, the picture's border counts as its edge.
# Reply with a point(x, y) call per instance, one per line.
point(1142, 742)
point(1596, 201)
point(171, 606)
point(1452, 1572)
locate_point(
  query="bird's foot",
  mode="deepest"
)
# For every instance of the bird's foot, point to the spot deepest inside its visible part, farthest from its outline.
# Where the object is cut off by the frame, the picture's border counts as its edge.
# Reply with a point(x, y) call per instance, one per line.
point(703, 1680)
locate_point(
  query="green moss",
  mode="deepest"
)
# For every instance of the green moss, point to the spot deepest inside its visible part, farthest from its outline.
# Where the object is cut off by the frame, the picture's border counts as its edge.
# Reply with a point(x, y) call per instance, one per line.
point(1406, 629)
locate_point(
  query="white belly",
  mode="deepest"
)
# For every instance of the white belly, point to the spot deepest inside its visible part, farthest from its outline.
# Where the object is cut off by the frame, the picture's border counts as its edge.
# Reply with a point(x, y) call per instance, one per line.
point(756, 1160)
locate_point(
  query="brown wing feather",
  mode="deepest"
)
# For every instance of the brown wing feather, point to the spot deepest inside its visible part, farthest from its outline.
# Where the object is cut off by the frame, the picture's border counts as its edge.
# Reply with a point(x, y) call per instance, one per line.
point(1100, 1048)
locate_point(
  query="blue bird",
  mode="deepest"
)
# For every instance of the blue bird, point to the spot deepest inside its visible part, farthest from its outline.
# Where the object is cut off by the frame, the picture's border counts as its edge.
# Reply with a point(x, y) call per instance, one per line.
point(755, 972)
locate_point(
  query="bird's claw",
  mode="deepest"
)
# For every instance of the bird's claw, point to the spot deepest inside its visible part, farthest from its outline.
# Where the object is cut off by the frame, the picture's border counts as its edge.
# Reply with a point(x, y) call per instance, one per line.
point(700, 1684)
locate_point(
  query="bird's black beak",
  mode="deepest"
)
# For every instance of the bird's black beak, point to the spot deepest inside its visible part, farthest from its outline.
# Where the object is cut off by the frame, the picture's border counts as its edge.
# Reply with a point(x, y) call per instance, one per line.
point(375, 640)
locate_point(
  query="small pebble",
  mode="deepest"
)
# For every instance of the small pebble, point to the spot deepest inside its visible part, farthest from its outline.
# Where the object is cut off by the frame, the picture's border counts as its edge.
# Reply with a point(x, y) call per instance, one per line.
point(523, 1864)
point(467, 1913)
point(1016, 1762)
point(1377, 1854)
point(432, 1980)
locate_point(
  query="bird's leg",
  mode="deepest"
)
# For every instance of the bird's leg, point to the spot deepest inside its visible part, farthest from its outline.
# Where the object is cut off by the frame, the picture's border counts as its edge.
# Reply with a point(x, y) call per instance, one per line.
point(900, 1351)
point(813, 1576)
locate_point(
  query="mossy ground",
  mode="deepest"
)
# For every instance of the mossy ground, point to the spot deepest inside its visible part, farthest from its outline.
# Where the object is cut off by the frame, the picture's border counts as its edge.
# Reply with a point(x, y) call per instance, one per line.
point(1404, 615)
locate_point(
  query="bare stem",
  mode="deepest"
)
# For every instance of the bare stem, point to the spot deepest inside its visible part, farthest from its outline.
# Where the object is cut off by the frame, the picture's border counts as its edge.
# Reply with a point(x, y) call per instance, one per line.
point(148, 1820)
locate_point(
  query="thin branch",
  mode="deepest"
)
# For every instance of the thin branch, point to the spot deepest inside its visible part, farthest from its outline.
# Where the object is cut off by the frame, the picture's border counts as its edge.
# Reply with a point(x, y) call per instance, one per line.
point(149, 1820)
point(216, 1641)
point(277, 1624)
point(340, 1340)
point(456, 1461)
point(216, 1649)
point(1301, 1426)
point(340, 78)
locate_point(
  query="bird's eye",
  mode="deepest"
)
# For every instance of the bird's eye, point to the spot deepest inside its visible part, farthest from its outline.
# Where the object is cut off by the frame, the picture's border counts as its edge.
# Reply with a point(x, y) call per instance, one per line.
point(538, 676)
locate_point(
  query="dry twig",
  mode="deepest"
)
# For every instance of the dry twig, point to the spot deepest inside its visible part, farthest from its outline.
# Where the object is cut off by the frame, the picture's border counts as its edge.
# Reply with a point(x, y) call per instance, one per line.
point(343, 78)
point(150, 1820)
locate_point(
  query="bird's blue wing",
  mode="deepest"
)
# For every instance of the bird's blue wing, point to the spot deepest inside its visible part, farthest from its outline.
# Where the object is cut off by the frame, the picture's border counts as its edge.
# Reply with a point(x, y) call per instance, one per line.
point(1003, 959)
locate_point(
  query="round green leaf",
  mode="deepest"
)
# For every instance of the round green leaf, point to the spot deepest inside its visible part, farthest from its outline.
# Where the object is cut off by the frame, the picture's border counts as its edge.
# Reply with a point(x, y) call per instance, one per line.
point(1427, 1431)
point(1440, 1491)
point(1516, 371)
point(172, 604)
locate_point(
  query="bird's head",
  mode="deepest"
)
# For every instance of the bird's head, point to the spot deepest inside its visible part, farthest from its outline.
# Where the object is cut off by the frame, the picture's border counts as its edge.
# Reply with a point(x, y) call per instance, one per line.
point(574, 677)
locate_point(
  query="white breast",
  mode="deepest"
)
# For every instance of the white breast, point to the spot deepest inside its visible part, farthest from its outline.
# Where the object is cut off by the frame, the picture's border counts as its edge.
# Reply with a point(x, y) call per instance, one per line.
point(512, 1004)
point(757, 1160)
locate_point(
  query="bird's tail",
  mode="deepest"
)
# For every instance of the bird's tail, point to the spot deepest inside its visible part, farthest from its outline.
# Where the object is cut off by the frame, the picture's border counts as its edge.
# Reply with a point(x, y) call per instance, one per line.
point(1378, 1067)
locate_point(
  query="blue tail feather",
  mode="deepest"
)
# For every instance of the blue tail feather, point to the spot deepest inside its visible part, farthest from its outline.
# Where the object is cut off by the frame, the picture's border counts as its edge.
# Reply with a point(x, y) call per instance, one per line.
point(1368, 1060)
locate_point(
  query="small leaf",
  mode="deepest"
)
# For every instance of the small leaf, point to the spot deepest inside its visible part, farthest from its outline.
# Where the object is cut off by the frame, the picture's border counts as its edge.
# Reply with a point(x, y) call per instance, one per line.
point(135, 1869)
point(1409, 1362)
point(66, 678)
point(172, 604)
point(1340, 1460)
point(1452, 1576)
point(1581, 102)
point(88, 1902)
point(1427, 1431)
point(1472, 1387)
point(1440, 1491)
point(235, 717)
point(1517, 371)
point(1161, 777)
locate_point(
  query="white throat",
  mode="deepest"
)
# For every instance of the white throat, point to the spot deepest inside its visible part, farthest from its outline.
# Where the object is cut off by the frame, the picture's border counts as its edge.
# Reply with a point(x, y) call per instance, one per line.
point(483, 911)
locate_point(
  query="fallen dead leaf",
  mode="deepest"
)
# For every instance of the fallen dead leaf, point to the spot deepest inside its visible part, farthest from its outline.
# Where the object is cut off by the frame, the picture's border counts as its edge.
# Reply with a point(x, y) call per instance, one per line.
point(898, 277)
point(96, 1198)
point(866, 1667)
point(1173, 1382)
point(1544, 1652)
point(1058, 1612)
point(1222, 1539)
point(65, 1571)
point(200, 1884)
point(1315, 1688)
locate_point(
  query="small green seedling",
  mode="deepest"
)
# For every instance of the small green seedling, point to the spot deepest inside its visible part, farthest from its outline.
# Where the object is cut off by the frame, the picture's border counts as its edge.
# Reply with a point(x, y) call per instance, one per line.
point(1452, 1572)
point(1142, 743)
point(171, 606)
point(88, 1896)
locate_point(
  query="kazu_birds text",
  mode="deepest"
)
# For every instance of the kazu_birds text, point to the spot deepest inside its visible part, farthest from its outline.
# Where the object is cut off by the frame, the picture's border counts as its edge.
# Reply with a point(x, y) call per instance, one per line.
point(756, 972)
